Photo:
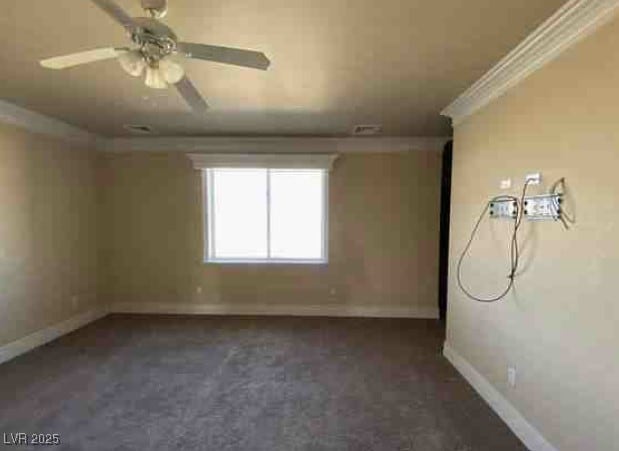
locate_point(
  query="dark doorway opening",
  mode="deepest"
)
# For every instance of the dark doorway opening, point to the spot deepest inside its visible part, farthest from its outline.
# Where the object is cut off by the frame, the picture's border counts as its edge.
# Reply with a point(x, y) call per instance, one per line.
point(444, 233)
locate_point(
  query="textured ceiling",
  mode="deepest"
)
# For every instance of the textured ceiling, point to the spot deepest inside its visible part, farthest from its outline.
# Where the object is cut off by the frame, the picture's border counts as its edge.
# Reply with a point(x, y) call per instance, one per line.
point(335, 63)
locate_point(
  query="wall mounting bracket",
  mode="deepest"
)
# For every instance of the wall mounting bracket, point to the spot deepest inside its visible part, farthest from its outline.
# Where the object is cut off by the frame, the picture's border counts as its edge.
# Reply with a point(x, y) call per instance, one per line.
point(545, 207)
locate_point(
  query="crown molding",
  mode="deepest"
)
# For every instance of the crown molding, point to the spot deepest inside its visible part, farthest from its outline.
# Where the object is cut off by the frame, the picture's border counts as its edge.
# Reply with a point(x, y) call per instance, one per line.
point(274, 145)
point(572, 22)
point(46, 125)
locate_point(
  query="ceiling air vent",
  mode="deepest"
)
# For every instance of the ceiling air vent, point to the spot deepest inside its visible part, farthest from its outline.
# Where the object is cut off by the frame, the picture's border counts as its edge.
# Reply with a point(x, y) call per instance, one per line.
point(139, 129)
point(367, 130)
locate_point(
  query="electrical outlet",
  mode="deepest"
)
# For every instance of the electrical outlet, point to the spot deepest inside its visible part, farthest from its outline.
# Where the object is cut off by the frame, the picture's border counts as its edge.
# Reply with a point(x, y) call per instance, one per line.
point(506, 184)
point(503, 209)
point(543, 207)
point(75, 301)
point(511, 376)
point(198, 290)
point(534, 178)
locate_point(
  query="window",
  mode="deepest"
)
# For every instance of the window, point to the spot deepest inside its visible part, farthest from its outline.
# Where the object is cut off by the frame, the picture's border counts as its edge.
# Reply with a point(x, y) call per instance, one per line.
point(273, 214)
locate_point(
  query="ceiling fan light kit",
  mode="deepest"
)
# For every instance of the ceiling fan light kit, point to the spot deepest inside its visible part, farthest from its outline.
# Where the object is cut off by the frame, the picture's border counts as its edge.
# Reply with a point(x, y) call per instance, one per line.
point(132, 62)
point(150, 55)
point(154, 78)
point(172, 73)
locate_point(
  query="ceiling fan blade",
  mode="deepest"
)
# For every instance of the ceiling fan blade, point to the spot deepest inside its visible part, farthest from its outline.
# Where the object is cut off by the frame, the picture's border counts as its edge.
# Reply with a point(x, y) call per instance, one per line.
point(225, 55)
point(76, 59)
point(115, 12)
point(191, 95)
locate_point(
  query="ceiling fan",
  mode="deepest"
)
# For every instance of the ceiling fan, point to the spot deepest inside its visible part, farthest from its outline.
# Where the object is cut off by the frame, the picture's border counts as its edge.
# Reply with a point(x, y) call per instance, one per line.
point(153, 43)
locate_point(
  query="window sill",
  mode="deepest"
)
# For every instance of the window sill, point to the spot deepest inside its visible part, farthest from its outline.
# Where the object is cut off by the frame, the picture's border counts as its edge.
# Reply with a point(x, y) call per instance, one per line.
point(224, 261)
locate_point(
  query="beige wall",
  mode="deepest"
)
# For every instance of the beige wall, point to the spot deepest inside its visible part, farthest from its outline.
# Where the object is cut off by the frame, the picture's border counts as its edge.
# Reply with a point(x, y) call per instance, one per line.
point(384, 211)
point(560, 326)
point(48, 247)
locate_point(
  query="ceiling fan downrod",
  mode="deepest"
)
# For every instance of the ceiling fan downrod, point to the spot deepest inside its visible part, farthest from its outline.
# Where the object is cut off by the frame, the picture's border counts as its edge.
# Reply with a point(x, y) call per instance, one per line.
point(155, 8)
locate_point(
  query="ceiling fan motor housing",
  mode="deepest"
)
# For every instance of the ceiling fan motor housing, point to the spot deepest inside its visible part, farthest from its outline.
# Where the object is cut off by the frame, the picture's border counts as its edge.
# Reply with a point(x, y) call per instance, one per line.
point(157, 8)
point(155, 39)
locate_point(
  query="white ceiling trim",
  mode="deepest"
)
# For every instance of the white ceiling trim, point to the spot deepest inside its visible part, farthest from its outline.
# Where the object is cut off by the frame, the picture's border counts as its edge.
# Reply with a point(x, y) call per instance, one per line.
point(571, 23)
point(39, 123)
point(275, 145)
point(271, 161)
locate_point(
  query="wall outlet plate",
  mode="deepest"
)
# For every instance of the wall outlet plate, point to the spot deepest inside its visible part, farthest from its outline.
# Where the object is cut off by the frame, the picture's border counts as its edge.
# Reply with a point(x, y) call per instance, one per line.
point(503, 209)
point(534, 178)
point(511, 376)
point(546, 207)
point(506, 183)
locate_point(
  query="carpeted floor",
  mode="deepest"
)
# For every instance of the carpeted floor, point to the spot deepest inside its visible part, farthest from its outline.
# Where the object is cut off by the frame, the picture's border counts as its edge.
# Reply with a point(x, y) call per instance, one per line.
point(248, 383)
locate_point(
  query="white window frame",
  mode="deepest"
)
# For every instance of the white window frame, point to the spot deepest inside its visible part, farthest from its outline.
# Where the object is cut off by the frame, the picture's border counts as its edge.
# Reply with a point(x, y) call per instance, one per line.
point(207, 162)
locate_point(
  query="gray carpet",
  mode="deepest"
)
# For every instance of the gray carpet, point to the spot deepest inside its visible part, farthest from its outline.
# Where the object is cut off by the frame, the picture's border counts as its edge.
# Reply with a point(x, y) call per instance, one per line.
point(248, 383)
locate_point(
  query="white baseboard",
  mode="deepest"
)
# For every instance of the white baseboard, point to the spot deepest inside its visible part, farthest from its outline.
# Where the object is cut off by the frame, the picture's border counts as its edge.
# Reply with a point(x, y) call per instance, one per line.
point(530, 436)
point(281, 310)
point(40, 337)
